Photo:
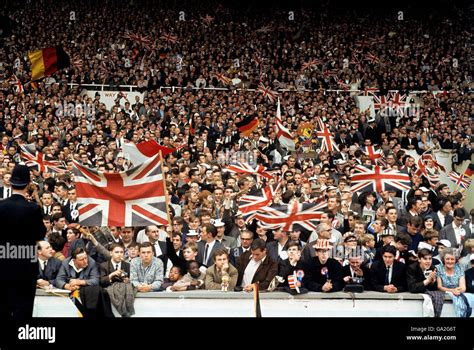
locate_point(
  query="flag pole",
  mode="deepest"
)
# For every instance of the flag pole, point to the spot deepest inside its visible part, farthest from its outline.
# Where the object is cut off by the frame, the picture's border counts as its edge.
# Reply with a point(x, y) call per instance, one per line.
point(166, 191)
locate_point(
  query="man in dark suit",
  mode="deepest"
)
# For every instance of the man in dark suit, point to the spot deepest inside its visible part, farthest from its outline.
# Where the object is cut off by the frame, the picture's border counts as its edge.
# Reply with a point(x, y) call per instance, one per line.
point(6, 190)
point(71, 209)
point(456, 232)
point(208, 245)
point(388, 275)
point(22, 227)
point(277, 249)
point(421, 276)
point(442, 217)
point(48, 266)
point(246, 239)
point(356, 273)
point(116, 269)
point(255, 266)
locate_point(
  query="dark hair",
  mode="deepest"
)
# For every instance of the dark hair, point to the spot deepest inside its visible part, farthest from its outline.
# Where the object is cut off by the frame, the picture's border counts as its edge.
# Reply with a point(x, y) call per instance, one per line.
point(56, 217)
point(416, 221)
point(403, 238)
point(77, 251)
point(293, 244)
point(145, 245)
point(424, 252)
point(389, 249)
point(219, 252)
point(258, 244)
point(459, 212)
point(210, 229)
point(57, 241)
point(189, 263)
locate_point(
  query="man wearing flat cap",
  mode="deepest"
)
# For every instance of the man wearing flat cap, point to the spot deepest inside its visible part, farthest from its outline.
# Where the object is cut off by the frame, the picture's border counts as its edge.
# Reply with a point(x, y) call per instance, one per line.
point(22, 227)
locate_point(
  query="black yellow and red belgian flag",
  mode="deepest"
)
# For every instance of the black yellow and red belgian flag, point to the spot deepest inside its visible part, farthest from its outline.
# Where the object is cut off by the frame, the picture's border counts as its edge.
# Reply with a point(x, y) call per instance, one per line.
point(247, 125)
point(48, 61)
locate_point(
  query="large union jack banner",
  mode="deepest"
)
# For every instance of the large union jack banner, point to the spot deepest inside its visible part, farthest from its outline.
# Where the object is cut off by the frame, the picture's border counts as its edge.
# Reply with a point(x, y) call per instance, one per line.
point(135, 197)
point(286, 216)
point(251, 203)
point(377, 179)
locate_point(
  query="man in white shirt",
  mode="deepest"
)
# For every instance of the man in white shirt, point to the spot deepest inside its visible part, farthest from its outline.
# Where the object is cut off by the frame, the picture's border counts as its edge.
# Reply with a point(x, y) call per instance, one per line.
point(208, 245)
point(6, 190)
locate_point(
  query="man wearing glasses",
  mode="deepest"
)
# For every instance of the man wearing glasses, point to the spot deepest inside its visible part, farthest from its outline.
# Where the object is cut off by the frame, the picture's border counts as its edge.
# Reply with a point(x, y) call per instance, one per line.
point(457, 232)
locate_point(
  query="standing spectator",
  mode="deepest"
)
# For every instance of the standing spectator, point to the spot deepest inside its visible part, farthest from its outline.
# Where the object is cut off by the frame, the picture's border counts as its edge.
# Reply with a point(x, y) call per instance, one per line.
point(208, 245)
point(246, 239)
point(276, 249)
point(290, 267)
point(457, 232)
point(22, 224)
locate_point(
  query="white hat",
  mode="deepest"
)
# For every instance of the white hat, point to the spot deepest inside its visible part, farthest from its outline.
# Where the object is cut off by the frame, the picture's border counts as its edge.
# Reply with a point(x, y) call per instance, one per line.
point(192, 233)
point(218, 223)
point(332, 188)
point(263, 139)
point(424, 245)
point(370, 120)
point(424, 189)
point(444, 242)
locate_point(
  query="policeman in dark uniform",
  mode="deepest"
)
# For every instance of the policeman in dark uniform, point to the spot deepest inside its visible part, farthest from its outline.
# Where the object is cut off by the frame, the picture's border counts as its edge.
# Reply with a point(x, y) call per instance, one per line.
point(21, 226)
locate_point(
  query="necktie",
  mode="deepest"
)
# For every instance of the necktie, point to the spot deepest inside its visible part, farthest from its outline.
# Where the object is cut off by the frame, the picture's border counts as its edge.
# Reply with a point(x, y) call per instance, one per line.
point(205, 254)
point(116, 267)
point(387, 275)
point(8, 193)
point(44, 265)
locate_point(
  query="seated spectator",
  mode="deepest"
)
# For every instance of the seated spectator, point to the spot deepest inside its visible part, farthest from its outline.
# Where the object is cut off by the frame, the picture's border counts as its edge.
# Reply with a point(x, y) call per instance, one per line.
point(221, 275)
point(77, 271)
point(421, 276)
point(293, 266)
point(388, 237)
point(194, 279)
point(116, 269)
point(451, 279)
point(146, 271)
point(322, 273)
point(442, 245)
point(132, 251)
point(176, 273)
point(255, 266)
point(356, 273)
point(48, 266)
point(114, 277)
point(388, 275)
point(80, 272)
point(57, 243)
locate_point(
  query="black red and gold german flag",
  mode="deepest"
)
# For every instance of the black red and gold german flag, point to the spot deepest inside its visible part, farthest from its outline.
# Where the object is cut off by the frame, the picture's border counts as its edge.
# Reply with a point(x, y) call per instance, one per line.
point(247, 125)
point(47, 61)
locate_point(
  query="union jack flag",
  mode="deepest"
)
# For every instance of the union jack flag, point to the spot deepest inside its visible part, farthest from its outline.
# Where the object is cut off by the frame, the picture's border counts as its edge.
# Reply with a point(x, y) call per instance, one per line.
point(306, 215)
point(392, 105)
point(17, 85)
point(343, 85)
point(223, 79)
point(267, 92)
point(310, 64)
point(373, 153)
point(429, 168)
point(36, 159)
point(460, 180)
point(170, 38)
point(138, 38)
point(135, 197)
point(330, 73)
point(370, 90)
point(250, 204)
point(245, 168)
point(372, 58)
point(77, 62)
point(379, 40)
point(325, 136)
point(377, 179)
